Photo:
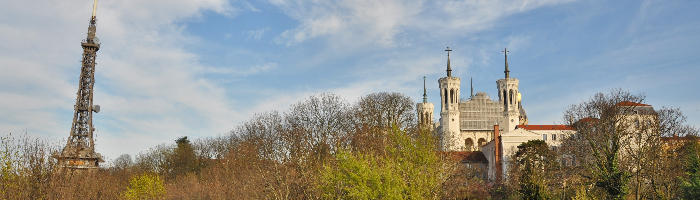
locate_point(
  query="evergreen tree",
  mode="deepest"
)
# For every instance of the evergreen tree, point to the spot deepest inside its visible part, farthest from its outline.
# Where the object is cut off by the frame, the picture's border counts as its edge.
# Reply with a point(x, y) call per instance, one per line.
point(690, 186)
point(535, 163)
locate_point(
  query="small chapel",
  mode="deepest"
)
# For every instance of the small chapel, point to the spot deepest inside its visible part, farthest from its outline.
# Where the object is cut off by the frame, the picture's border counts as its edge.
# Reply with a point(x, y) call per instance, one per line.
point(485, 131)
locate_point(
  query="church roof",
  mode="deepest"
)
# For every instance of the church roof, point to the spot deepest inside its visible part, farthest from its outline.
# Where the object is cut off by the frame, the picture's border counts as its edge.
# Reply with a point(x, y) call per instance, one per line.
point(629, 103)
point(544, 127)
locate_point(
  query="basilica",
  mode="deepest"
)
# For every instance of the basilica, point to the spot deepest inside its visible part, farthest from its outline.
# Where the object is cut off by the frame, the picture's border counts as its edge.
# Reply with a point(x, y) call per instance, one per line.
point(487, 131)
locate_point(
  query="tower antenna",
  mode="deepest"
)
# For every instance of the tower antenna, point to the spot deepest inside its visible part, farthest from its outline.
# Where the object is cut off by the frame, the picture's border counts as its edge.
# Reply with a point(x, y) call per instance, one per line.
point(94, 9)
point(79, 152)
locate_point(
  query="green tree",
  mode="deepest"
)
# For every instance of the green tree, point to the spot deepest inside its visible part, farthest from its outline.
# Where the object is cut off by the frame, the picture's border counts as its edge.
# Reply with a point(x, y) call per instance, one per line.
point(690, 186)
point(411, 169)
point(536, 162)
point(183, 159)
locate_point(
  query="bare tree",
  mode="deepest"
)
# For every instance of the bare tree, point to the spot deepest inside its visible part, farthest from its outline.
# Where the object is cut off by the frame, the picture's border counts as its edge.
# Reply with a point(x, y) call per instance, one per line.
point(602, 132)
point(618, 144)
point(122, 162)
point(385, 110)
point(375, 114)
point(324, 119)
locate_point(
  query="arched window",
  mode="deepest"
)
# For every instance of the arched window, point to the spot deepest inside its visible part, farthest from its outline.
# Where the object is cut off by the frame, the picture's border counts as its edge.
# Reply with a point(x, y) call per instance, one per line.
point(457, 96)
point(426, 118)
point(505, 98)
point(469, 144)
point(482, 142)
point(446, 96)
point(511, 97)
point(452, 96)
point(422, 118)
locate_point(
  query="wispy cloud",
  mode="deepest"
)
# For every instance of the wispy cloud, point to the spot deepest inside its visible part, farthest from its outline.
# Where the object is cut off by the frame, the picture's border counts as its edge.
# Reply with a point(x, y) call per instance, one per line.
point(369, 22)
point(257, 34)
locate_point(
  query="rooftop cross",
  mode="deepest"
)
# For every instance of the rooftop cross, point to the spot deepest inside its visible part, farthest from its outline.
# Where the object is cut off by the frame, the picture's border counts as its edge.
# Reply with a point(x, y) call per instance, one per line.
point(505, 50)
point(449, 69)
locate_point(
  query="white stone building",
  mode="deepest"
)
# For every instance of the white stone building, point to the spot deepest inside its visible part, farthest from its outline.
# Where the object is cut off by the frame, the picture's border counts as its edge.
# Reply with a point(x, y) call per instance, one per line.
point(467, 124)
point(494, 127)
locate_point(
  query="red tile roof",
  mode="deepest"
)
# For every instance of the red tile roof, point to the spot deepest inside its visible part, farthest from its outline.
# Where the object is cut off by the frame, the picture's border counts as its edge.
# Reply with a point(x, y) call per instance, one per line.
point(629, 103)
point(544, 127)
point(676, 138)
point(587, 119)
point(469, 156)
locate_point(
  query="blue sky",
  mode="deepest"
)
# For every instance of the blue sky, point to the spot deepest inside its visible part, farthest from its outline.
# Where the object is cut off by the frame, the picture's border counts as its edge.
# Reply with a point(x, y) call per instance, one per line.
point(172, 68)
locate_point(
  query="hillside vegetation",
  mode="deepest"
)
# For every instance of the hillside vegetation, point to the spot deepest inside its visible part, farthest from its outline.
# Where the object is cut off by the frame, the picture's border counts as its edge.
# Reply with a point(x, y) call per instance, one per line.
point(327, 148)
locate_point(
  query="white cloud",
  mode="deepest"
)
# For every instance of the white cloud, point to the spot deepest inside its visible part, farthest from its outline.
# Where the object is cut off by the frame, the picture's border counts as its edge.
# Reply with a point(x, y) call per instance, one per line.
point(371, 22)
point(257, 34)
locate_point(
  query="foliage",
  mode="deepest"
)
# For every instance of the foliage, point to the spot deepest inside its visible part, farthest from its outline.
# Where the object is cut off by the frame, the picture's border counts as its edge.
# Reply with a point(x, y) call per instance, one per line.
point(182, 160)
point(690, 186)
point(326, 147)
point(618, 146)
point(9, 164)
point(145, 186)
point(411, 169)
point(535, 163)
point(602, 134)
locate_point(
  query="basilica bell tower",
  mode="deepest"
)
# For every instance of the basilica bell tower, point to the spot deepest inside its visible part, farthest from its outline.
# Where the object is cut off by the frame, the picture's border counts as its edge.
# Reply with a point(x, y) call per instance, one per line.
point(509, 96)
point(449, 107)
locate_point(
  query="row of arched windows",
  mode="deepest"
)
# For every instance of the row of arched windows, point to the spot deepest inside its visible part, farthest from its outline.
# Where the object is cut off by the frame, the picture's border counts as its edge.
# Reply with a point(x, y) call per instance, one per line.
point(450, 97)
point(469, 144)
point(509, 97)
point(425, 118)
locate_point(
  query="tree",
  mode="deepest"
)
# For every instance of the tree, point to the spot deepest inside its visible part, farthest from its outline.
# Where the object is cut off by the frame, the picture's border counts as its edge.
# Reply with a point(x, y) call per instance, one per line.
point(601, 134)
point(145, 186)
point(373, 116)
point(384, 110)
point(10, 159)
point(182, 160)
point(320, 124)
point(122, 162)
point(618, 144)
point(411, 169)
point(690, 186)
point(535, 166)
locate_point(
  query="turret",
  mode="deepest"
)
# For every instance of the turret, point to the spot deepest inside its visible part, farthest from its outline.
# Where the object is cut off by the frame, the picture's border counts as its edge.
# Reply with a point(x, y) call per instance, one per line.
point(508, 96)
point(425, 110)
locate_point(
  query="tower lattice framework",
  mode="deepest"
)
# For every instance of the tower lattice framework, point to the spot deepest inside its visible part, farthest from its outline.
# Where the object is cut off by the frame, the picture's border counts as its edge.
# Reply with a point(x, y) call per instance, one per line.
point(79, 152)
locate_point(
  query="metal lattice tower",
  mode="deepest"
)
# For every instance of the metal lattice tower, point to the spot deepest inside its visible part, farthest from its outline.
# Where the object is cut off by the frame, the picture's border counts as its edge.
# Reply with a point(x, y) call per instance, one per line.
point(79, 152)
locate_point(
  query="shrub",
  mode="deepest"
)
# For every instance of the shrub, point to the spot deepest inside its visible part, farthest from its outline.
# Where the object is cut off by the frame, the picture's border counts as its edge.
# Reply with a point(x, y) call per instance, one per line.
point(145, 186)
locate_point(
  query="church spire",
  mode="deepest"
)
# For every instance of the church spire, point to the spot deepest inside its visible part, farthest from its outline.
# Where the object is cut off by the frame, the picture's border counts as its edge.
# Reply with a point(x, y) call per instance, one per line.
point(449, 69)
point(472, 85)
point(425, 96)
point(505, 50)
